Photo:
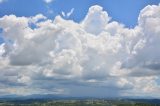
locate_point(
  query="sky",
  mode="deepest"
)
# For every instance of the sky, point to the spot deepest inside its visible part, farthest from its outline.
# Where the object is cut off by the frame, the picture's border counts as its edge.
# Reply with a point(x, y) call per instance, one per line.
point(99, 48)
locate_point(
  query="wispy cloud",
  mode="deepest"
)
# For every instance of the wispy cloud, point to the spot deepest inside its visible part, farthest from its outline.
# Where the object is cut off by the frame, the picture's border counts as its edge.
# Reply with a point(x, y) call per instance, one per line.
point(48, 1)
point(1, 1)
point(67, 14)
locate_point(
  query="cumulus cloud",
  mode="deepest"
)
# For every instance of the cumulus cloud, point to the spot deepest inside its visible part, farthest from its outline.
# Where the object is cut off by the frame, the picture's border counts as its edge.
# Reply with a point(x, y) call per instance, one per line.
point(96, 20)
point(61, 56)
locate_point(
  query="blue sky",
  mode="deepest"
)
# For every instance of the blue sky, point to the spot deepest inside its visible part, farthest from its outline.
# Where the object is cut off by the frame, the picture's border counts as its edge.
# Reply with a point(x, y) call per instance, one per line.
point(123, 11)
point(110, 49)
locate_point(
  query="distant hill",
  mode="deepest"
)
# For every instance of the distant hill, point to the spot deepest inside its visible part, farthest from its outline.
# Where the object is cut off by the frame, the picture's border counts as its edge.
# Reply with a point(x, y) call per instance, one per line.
point(41, 97)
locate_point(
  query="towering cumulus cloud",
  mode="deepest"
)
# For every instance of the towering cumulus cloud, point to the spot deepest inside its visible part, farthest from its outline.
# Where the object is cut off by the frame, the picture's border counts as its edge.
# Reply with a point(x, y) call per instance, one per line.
point(96, 57)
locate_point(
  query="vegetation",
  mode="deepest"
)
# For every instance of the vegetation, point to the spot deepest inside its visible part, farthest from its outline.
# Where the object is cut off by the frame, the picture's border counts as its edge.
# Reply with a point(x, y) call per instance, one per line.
point(98, 102)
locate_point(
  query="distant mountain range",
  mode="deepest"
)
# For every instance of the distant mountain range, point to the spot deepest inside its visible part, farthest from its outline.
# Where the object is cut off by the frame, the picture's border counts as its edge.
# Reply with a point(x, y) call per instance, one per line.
point(37, 97)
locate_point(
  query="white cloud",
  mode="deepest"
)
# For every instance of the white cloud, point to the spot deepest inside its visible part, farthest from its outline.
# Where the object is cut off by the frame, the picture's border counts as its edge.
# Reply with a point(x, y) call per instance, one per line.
point(63, 14)
point(67, 15)
point(96, 20)
point(59, 53)
point(70, 13)
point(48, 1)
